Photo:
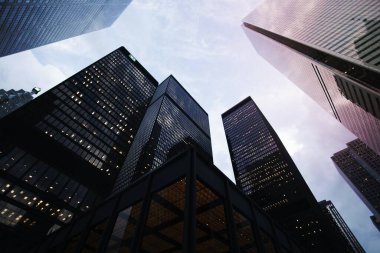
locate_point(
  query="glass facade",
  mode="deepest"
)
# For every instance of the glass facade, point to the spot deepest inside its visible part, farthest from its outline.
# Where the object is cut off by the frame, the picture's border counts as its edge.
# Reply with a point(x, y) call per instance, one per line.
point(348, 29)
point(360, 167)
point(33, 23)
point(84, 128)
point(187, 205)
point(11, 100)
point(265, 172)
point(321, 55)
point(332, 213)
point(173, 120)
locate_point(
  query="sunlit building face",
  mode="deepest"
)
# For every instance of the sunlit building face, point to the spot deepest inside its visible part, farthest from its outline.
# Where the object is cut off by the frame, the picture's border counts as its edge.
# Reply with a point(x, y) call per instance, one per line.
point(330, 50)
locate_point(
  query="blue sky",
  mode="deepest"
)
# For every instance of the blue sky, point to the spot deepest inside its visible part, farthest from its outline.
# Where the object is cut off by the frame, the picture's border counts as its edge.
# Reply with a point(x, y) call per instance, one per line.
point(203, 45)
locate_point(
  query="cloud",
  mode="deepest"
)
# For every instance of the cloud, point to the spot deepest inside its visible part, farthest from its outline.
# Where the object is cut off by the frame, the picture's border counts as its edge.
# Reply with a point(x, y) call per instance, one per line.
point(24, 71)
point(202, 44)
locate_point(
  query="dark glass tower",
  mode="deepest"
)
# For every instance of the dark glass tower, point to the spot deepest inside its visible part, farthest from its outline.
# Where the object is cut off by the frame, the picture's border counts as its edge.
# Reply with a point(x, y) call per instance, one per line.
point(11, 100)
point(330, 50)
point(265, 172)
point(360, 167)
point(32, 23)
point(340, 225)
point(187, 205)
point(173, 121)
point(60, 154)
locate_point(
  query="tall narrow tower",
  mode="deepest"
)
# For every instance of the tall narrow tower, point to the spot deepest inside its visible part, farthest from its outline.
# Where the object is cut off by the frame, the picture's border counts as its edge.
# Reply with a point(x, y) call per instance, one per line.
point(173, 121)
point(265, 172)
point(330, 49)
point(360, 167)
point(61, 153)
point(337, 221)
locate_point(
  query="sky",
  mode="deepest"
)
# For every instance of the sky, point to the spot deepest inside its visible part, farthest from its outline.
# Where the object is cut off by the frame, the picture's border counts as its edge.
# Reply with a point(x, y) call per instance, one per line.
point(203, 45)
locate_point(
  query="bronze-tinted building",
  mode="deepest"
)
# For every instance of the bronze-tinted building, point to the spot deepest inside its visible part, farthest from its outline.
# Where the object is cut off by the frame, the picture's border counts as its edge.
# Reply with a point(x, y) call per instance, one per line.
point(331, 51)
point(187, 205)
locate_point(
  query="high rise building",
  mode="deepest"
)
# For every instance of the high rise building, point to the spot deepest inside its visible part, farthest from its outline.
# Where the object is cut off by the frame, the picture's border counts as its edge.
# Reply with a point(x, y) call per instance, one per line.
point(187, 205)
point(340, 225)
point(173, 121)
point(331, 51)
point(28, 24)
point(61, 153)
point(266, 173)
point(11, 100)
point(360, 167)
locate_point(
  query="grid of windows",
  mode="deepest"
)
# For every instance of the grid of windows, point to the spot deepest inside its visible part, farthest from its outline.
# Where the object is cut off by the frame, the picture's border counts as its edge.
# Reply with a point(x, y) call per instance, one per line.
point(261, 167)
point(359, 166)
point(97, 111)
point(332, 213)
point(179, 214)
point(11, 100)
point(28, 24)
point(165, 127)
point(349, 101)
point(84, 128)
point(346, 28)
point(264, 171)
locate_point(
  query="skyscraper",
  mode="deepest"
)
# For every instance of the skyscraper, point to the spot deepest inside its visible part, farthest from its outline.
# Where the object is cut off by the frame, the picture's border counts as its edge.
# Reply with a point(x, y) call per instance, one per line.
point(330, 50)
point(187, 205)
point(28, 24)
point(360, 167)
point(173, 120)
point(266, 173)
point(11, 100)
point(60, 154)
point(340, 225)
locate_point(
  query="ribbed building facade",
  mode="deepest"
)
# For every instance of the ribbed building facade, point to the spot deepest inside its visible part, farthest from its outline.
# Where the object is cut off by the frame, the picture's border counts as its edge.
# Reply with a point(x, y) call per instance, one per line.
point(266, 173)
point(330, 50)
point(360, 167)
point(28, 24)
point(336, 219)
point(173, 121)
point(61, 153)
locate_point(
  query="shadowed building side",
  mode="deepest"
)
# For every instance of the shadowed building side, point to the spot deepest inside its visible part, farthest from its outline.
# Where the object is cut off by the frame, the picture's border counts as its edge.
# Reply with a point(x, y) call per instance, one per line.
point(333, 56)
point(60, 153)
point(29, 24)
point(265, 172)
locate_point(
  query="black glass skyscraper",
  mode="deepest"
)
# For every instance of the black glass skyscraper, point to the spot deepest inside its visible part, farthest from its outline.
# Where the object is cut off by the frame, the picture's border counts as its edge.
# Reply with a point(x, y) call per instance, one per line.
point(265, 172)
point(11, 100)
point(360, 167)
point(187, 205)
point(330, 49)
point(32, 23)
point(340, 225)
point(60, 154)
point(173, 121)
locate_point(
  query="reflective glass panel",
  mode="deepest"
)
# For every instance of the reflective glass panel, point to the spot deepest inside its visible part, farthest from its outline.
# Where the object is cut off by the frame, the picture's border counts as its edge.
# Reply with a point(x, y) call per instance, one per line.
point(165, 224)
point(124, 229)
point(244, 233)
point(211, 231)
point(94, 237)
